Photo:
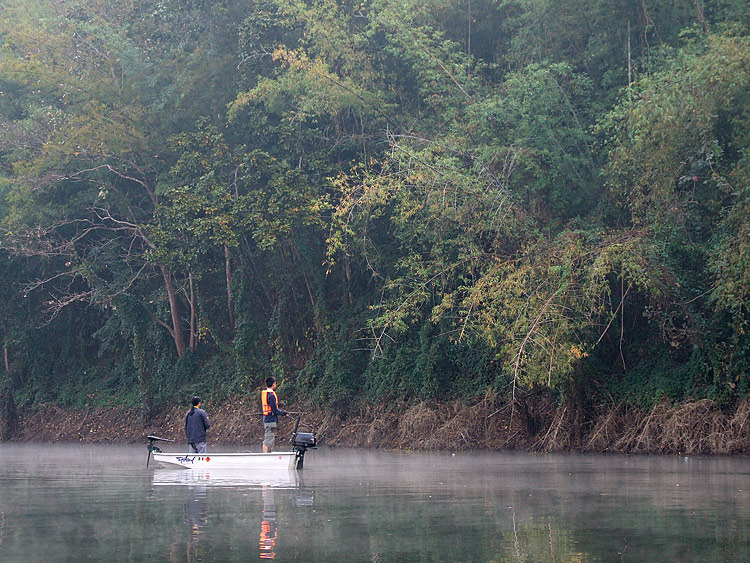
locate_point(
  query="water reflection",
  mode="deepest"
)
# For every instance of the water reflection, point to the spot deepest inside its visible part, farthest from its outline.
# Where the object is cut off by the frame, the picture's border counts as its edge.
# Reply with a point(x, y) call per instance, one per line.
point(545, 540)
point(198, 485)
point(242, 478)
point(196, 511)
point(92, 502)
point(303, 497)
point(268, 525)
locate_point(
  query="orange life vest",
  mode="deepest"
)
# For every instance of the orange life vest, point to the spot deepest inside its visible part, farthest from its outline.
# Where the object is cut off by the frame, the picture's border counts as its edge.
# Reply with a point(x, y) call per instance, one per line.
point(264, 400)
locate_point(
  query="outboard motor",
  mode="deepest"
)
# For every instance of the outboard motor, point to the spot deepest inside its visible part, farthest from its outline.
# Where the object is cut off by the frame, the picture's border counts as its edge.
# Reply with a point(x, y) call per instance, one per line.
point(152, 447)
point(301, 442)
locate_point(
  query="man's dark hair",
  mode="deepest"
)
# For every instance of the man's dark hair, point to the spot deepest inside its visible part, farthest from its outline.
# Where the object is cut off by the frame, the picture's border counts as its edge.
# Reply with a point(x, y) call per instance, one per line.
point(196, 401)
point(270, 381)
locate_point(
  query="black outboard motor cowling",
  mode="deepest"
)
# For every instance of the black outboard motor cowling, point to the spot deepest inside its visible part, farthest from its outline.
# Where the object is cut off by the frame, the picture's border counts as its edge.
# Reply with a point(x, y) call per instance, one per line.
point(304, 439)
point(301, 442)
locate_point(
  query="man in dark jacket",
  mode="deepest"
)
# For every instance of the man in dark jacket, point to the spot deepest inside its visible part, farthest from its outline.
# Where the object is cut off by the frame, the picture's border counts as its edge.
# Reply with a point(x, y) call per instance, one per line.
point(196, 424)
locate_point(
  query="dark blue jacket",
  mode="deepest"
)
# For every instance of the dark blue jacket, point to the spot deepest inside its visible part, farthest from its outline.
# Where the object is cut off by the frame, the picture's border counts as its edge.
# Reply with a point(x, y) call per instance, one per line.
point(275, 410)
point(196, 424)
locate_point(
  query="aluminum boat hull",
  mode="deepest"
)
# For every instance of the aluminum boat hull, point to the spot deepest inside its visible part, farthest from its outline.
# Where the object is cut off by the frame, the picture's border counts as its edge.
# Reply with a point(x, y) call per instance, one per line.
point(275, 461)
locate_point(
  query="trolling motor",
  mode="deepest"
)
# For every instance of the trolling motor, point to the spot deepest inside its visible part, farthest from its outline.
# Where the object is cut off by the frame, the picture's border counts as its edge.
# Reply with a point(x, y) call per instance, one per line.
point(152, 447)
point(301, 442)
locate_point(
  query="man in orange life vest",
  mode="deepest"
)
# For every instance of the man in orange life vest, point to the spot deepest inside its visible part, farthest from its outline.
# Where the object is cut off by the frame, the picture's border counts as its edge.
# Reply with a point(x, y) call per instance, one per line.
point(271, 413)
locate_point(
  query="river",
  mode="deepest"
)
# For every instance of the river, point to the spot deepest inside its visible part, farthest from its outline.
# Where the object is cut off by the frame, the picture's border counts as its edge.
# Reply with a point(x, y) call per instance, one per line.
point(101, 503)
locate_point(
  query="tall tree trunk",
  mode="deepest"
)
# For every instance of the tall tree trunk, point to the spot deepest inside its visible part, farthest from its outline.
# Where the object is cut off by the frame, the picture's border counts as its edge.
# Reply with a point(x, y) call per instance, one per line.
point(255, 273)
point(228, 270)
point(140, 361)
point(6, 359)
point(8, 415)
point(316, 313)
point(348, 279)
point(701, 17)
point(176, 329)
point(193, 329)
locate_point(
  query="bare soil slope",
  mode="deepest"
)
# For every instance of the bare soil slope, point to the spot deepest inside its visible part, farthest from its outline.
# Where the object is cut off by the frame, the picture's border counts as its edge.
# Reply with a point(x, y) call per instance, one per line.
point(490, 424)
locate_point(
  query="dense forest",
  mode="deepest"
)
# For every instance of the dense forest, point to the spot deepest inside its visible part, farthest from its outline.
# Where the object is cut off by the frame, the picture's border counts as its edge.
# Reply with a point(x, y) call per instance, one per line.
point(378, 202)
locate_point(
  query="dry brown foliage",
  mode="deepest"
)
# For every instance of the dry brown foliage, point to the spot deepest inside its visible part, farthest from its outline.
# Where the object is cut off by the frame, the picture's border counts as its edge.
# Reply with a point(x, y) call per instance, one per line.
point(531, 424)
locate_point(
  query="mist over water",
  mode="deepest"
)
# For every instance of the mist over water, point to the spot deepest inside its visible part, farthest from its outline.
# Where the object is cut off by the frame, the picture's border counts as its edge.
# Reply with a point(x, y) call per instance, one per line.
point(73, 502)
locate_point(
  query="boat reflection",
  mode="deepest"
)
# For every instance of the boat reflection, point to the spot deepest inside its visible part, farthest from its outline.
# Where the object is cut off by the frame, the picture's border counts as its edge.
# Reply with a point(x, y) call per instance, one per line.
point(288, 479)
point(256, 491)
point(269, 525)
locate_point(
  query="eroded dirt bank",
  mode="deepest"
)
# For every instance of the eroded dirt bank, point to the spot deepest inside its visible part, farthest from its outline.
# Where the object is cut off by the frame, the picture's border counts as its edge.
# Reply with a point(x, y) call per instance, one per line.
point(491, 424)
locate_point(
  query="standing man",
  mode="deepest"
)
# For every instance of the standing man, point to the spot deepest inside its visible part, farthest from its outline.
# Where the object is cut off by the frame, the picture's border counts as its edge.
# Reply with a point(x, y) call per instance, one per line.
point(196, 424)
point(271, 412)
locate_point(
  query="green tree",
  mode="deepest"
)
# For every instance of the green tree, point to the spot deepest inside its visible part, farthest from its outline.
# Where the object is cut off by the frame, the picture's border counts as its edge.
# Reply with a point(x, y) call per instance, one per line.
point(677, 170)
point(86, 138)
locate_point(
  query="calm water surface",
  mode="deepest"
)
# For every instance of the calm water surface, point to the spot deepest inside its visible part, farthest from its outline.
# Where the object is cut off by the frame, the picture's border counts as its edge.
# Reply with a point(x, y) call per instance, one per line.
point(71, 502)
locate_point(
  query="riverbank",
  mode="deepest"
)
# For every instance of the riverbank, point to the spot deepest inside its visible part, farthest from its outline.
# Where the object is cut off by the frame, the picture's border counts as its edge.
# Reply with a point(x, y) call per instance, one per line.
point(535, 425)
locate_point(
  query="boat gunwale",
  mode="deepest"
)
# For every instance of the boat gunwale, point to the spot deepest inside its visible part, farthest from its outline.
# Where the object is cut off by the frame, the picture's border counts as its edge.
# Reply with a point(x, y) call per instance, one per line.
point(225, 454)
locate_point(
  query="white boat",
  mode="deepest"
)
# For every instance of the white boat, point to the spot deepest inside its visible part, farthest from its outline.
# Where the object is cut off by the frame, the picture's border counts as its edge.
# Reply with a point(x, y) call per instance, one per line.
point(245, 461)
point(276, 461)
